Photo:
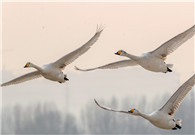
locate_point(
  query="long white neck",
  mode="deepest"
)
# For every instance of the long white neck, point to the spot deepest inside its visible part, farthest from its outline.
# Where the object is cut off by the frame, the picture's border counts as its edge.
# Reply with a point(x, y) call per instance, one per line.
point(36, 67)
point(145, 116)
point(133, 57)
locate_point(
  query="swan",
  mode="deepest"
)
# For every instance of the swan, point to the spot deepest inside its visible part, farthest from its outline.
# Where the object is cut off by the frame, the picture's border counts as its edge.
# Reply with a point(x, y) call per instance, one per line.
point(53, 71)
point(164, 117)
point(152, 61)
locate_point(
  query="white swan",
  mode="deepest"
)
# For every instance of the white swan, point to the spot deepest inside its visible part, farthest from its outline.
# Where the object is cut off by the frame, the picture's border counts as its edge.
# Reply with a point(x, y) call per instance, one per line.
point(154, 60)
point(164, 117)
point(53, 71)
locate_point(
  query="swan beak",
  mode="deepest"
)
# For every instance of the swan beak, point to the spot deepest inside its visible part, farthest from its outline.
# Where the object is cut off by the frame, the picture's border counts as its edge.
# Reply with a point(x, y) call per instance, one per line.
point(130, 111)
point(27, 65)
point(118, 53)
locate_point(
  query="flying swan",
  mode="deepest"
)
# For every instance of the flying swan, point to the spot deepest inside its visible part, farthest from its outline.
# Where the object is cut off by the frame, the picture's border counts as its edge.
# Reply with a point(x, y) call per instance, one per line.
point(164, 117)
point(53, 71)
point(154, 60)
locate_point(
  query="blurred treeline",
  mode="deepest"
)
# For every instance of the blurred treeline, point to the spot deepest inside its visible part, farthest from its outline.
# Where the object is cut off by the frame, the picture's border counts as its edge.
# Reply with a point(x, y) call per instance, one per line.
point(45, 118)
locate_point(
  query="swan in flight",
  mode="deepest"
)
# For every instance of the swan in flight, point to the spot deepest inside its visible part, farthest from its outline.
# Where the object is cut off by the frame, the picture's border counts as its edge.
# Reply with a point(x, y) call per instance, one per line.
point(152, 61)
point(53, 71)
point(164, 117)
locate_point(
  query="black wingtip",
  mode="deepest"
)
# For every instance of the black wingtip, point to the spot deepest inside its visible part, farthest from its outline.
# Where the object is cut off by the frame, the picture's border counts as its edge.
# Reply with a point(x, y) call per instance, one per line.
point(3, 84)
point(96, 101)
point(79, 69)
point(76, 68)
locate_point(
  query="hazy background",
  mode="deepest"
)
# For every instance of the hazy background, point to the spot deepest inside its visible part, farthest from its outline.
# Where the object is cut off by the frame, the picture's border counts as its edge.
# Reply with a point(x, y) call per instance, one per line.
point(43, 32)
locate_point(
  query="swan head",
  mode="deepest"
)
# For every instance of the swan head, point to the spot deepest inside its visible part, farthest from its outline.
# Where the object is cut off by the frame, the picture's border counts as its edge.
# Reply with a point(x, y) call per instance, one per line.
point(120, 52)
point(133, 112)
point(28, 64)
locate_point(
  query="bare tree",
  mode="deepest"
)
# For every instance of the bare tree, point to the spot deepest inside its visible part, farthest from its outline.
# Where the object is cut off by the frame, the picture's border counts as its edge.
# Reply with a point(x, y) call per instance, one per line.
point(69, 125)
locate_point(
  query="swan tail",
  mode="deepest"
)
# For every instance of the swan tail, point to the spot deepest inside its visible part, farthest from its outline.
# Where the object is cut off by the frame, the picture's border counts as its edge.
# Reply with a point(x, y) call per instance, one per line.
point(169, 65)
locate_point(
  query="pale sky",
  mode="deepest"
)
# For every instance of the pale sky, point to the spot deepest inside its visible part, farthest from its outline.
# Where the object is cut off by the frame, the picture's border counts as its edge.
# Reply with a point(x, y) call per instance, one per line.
point(45, 31)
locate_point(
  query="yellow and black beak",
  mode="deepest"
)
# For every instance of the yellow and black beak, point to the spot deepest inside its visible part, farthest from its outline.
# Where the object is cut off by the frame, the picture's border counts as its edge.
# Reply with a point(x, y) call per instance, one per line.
point(131, 111)
point(27, 65)
point(118, 53)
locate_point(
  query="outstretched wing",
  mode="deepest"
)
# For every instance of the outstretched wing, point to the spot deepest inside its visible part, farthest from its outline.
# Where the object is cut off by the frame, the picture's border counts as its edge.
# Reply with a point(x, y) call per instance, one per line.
point(69, 58)
point(114, 65)
point(171, 45)
point(108, 108)
point(173, 103)
point(23, 78)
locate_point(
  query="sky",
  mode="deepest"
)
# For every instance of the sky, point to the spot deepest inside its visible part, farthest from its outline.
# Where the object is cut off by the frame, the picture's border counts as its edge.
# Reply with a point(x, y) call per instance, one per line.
point(42, 32)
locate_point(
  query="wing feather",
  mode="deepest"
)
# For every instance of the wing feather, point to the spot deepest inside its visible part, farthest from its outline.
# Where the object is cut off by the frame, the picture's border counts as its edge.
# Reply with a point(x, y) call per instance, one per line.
point(23, 78)
point(69, 58)
point(174, 102)
point(114, 65)
point(108, 108)
point(171, 45)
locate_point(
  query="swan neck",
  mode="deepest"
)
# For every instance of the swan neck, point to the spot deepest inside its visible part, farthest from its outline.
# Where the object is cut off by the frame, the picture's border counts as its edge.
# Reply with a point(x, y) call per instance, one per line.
point(133, 57)
point(36, 67)
point(145, 116)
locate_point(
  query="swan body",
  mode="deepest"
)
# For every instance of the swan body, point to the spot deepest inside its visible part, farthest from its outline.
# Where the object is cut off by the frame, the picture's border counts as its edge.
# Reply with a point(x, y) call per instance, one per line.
point(154, 60)
point(164, 117)
point(53, 74)
point(162, 121)
point(53, 71)
point(148, 61)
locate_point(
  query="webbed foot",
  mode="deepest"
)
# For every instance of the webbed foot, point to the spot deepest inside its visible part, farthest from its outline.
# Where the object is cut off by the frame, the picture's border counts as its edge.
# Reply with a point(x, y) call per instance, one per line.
point(178, 126)
point(66, 79)
point(169, 70)
point(174, 128)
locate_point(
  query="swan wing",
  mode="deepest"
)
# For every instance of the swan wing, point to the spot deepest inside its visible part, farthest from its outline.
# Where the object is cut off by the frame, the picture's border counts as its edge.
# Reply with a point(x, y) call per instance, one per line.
point(108, 108)
point(171, 45)
point(114, 65)
point(67, 59)
point(23, 78)
point(173, 103)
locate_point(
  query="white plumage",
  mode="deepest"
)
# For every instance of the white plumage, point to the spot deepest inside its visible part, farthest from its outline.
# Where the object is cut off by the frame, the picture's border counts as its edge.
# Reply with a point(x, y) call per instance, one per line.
point(164, 117)
point(154, 60)
point(53, 71)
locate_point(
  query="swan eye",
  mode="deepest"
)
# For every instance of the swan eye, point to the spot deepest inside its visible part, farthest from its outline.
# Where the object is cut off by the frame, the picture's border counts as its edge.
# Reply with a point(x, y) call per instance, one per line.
point(27, 65)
